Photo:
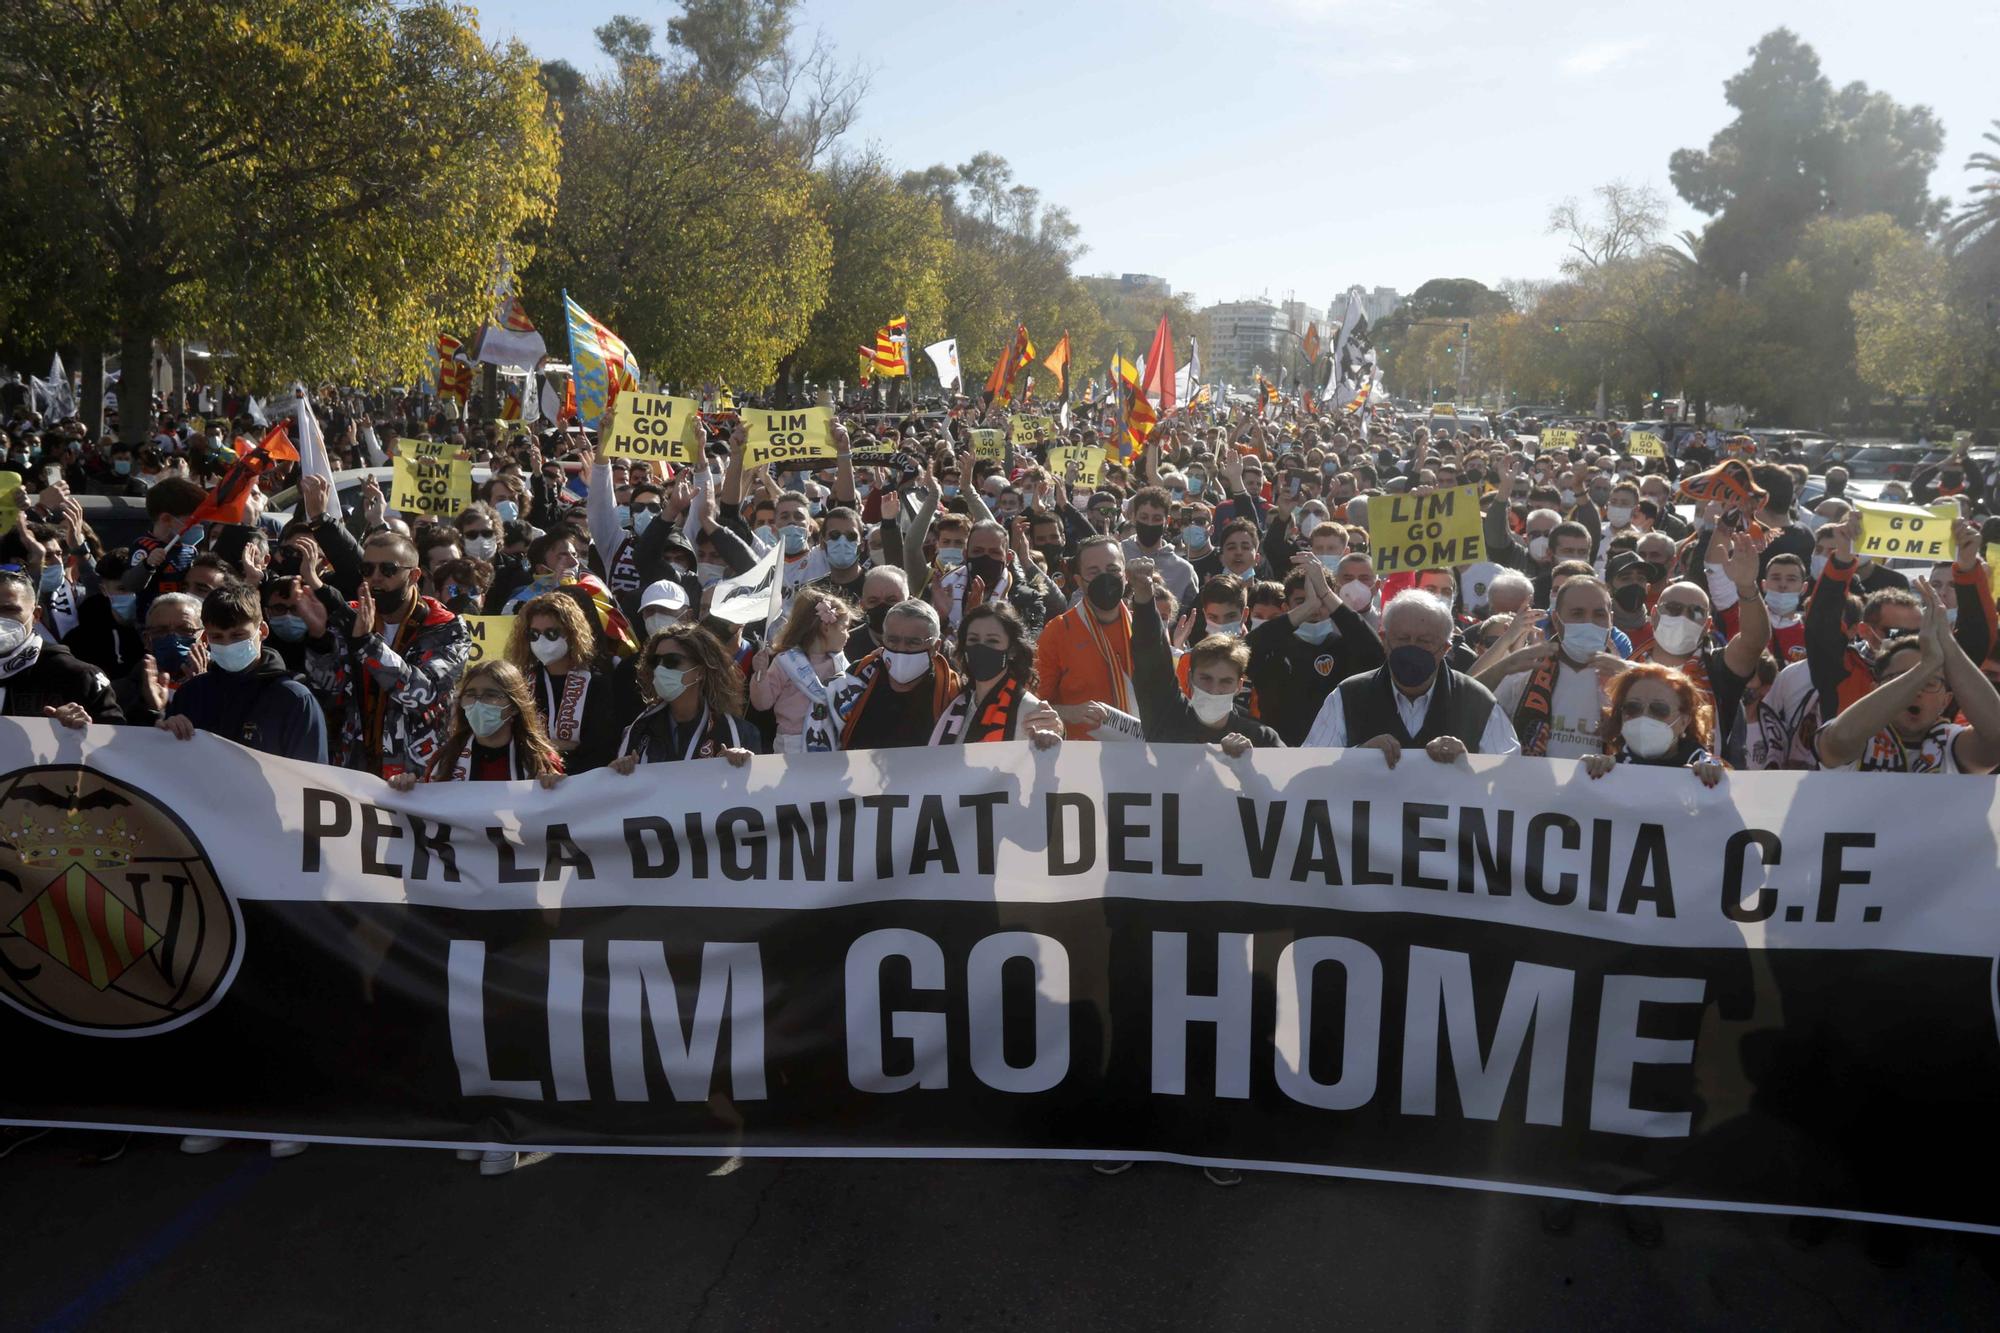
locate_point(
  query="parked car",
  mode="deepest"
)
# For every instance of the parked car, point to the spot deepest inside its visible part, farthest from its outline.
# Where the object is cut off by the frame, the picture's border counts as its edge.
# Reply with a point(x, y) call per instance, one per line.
point(347, 485)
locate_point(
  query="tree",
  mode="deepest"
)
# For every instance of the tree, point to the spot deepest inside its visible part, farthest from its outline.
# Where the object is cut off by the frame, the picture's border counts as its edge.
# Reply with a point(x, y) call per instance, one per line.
point(1628, 219)
point(891, 255)
point(1980, 217)
point(683, 226)
point(1011, 261)
point(728, 40)
point(1912, 338)
point(340, 192)
point(1454, 298)
point(1798, 149)
point(624, 38)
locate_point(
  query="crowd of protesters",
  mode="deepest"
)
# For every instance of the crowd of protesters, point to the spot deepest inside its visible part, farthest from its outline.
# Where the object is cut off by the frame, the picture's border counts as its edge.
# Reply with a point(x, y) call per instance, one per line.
point(1215, 589)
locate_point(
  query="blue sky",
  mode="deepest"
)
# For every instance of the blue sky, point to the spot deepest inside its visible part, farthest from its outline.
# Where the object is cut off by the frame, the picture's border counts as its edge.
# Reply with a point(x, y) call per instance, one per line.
point(1298, 146)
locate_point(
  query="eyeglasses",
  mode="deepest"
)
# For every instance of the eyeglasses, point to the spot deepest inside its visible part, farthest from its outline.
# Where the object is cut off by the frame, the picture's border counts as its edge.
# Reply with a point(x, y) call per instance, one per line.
point(388, 569)
point(1694, 611)
point(674, 661)
point(486, 697)
point(551, 635)
point(1658, 710)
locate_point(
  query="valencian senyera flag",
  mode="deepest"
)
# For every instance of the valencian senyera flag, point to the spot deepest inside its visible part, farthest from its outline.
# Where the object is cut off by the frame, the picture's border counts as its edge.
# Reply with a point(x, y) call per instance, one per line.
point(889, 358)
point(602, 365)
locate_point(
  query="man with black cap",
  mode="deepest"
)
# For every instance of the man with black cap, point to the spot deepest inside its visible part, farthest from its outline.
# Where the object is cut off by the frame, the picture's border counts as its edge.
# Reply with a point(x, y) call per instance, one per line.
point(1629, 580)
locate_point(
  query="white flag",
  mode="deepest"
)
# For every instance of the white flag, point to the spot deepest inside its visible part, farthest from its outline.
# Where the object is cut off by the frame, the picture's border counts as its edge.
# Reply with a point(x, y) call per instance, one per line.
point(944, 356)
point(62, 398)
point(311, 445)
point(254, 408)
point(756, 594)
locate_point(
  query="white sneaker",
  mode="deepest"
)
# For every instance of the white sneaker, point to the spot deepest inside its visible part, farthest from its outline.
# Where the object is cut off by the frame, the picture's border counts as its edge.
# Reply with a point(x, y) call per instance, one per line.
point(283, 1148)
point(498, 1163)
point(194, 1145)
point(469, 1154)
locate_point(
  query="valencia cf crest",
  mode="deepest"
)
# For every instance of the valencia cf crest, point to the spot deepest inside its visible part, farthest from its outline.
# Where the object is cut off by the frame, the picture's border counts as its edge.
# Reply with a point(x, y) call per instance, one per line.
point(1323, 664)
point(112, 920)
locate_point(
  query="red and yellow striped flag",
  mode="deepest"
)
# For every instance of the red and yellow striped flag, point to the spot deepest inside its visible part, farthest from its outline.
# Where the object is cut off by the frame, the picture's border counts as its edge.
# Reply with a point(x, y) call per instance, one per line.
point(85, 927)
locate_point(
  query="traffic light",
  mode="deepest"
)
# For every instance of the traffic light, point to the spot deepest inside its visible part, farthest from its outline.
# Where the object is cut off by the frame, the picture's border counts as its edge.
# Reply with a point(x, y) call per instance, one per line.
point(1656, 395)
point(1559, 327)
point(1466, 328)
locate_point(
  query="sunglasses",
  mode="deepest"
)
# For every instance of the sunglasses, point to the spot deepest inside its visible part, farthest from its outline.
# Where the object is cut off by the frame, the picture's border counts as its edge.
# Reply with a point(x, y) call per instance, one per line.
point(470, 533)
point(388, 569)
point(1657, 710)
point(645, 509)
point(1692, 610)
point(550, 635)
point(674, 661)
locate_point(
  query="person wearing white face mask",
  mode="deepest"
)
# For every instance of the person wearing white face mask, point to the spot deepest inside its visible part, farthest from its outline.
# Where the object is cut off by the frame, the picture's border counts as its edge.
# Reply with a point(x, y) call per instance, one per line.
point(892, 698)
point(1657, 717)
point(1208, 713)
point(43, 679)
point(1354, 584)
point(694, 698)
point(1682, 619)
point(555, 649)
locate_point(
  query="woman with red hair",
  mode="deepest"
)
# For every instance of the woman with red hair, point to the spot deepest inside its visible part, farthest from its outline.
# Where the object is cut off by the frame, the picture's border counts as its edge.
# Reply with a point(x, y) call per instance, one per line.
point(1656, 715)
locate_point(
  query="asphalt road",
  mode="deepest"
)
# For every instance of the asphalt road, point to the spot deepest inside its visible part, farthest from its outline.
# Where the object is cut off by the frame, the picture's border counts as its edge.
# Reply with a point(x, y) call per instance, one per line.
point(350, 1238)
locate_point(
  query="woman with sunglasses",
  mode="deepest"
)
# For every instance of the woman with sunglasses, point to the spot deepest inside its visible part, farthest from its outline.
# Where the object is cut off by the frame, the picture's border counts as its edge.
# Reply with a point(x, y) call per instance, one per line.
point(694, 703)
point(1659, 717)
point(556, 652)
point(494, 734)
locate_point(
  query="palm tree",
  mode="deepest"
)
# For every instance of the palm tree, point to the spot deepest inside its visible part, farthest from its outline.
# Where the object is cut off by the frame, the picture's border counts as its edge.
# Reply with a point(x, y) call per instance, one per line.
point(1981, 215)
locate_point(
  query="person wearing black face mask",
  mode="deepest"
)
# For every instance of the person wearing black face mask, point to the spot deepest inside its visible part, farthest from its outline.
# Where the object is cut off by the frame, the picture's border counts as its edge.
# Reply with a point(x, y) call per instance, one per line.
point(883, 587)
point(1415, 699)
point(394, 665)
point(995, 703)
point(1150, 508)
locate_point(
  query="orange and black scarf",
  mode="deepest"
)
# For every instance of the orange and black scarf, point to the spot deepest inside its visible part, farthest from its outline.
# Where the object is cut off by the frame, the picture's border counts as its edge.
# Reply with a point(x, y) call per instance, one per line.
point(1538, 701)
point(995, 721)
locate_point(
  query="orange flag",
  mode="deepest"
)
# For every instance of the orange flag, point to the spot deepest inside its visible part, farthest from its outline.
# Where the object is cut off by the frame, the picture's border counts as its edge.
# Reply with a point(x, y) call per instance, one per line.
point(1058, 363)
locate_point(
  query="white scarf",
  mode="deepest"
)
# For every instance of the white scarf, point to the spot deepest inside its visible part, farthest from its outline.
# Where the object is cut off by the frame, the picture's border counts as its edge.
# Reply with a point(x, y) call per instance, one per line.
point(799, 669)
point(22, 658)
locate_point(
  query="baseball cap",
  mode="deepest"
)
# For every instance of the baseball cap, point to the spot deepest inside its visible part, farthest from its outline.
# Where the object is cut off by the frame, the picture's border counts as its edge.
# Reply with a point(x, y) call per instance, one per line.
point(665, 594)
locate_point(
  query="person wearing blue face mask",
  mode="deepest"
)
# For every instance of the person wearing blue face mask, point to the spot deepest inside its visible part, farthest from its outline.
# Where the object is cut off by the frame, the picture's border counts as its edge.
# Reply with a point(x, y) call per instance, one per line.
point(841, 556)
point(1555, 691)
point(694, 697)
point(246, 695)
point(1297, 659)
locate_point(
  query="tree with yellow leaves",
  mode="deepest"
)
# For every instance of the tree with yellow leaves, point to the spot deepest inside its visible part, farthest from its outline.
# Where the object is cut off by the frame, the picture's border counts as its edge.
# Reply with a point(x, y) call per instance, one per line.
point(318, 186)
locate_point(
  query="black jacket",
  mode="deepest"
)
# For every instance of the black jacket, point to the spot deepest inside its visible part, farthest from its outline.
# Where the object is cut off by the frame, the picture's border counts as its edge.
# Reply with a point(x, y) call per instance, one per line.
point(1165, 715)
point(262, 708)
point(1294, 677)
point(59, 677)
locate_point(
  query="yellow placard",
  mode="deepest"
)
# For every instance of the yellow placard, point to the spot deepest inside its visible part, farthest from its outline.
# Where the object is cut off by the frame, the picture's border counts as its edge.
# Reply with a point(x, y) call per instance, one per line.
point(10, 500)
point(795, 435)
point(1078, 464)
point(1905, 532)
point(1558, 437)
point(1417, 532)
point(436, 487)
point(1993, 567)
point(990, 444)
point(430, 450)
point(655, 427)
point(489, 636)
point(1029, 430)
point(1646, 444)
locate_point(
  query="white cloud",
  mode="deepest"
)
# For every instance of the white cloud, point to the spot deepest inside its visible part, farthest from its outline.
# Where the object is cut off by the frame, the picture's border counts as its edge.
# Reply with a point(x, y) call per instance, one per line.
point(1601, 56)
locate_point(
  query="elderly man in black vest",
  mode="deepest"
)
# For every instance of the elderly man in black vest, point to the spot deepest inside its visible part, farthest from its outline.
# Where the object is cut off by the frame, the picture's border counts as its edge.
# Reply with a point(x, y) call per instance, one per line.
point(1415, 698)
